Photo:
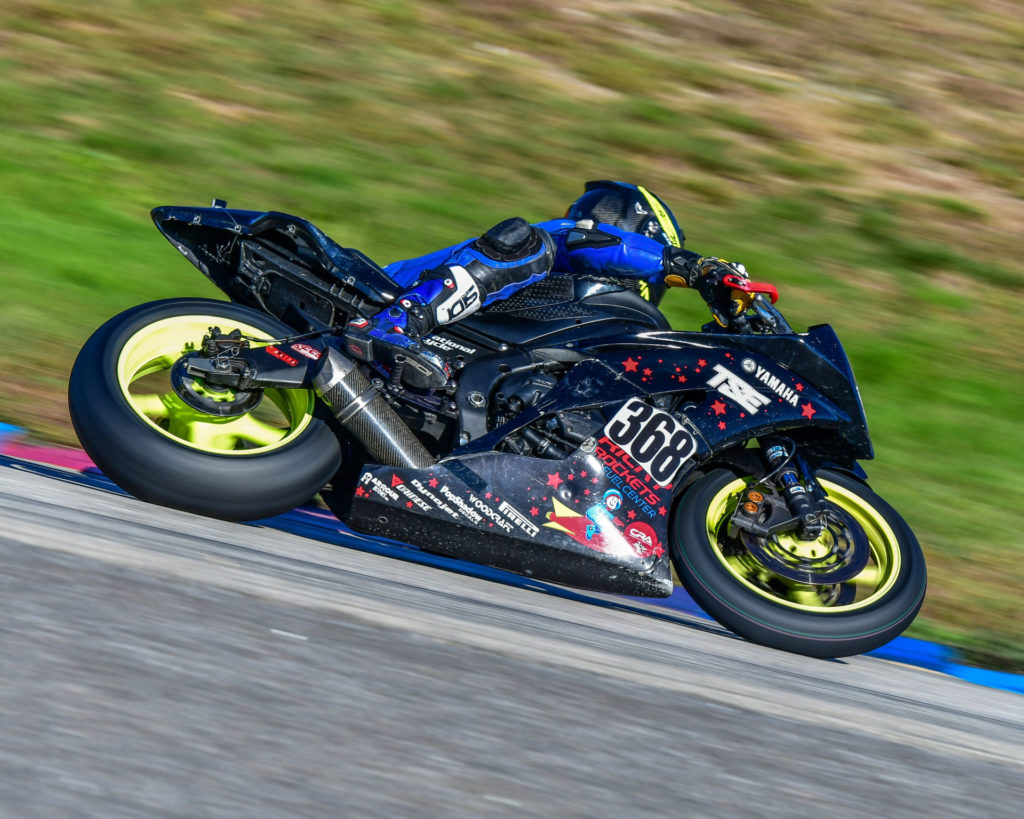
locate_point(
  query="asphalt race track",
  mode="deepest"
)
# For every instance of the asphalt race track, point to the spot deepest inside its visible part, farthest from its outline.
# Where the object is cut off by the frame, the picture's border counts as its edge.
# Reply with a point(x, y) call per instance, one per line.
point(161, 664)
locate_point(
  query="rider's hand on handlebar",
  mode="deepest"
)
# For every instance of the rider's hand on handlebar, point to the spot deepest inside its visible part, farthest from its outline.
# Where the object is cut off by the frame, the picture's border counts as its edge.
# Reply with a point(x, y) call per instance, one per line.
point(709, 276)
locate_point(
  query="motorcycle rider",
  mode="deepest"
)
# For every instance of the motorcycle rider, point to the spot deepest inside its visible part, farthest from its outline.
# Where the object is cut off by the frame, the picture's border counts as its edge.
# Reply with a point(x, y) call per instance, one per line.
point(614, 230)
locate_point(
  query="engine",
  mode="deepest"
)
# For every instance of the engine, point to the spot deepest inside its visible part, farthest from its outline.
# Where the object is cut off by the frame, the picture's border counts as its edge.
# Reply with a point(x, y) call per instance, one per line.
point(554, 435)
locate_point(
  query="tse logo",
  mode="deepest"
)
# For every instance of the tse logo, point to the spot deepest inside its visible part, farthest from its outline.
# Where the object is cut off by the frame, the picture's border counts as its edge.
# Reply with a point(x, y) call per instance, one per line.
point(736, 389)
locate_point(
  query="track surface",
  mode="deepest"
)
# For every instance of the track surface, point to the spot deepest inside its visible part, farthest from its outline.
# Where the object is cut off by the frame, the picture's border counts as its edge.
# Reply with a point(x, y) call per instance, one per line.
point(161, 664)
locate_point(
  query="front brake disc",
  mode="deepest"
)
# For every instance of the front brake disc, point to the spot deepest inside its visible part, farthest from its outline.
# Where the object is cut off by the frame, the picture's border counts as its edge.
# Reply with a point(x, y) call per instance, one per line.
point(839, 554)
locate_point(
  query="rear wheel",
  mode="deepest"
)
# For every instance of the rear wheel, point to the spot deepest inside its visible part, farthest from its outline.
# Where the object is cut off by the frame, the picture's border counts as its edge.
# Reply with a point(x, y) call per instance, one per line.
point(238, 456)
point(777, 591)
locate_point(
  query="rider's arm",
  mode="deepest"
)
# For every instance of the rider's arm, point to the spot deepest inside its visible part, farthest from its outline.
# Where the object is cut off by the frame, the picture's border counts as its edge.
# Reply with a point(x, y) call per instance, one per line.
point(604, 250)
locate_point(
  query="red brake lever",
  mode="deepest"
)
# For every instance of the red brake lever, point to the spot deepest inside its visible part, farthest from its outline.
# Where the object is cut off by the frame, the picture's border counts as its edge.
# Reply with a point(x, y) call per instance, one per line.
point(747, 286)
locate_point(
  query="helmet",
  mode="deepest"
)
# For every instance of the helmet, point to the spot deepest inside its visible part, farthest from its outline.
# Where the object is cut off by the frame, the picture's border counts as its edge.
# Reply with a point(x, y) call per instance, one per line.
point(628, 207)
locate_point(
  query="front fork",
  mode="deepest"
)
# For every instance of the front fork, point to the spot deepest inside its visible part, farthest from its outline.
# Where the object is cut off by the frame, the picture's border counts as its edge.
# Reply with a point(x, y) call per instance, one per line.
point(787, 499)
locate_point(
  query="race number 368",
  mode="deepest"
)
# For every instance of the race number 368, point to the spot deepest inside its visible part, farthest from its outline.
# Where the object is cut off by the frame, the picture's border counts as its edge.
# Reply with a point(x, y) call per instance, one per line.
point(654, 439)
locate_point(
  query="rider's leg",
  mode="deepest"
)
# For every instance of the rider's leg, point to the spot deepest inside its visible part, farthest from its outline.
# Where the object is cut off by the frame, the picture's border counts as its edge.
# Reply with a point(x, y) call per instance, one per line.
point(505, 259)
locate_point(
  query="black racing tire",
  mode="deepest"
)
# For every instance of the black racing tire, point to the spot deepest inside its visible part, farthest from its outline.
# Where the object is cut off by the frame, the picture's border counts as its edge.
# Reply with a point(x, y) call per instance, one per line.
point(144, 457)
point(762, 608)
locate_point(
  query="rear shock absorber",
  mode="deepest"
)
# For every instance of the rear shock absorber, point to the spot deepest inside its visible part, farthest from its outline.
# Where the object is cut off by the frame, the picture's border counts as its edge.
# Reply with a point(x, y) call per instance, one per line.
point(780, 461)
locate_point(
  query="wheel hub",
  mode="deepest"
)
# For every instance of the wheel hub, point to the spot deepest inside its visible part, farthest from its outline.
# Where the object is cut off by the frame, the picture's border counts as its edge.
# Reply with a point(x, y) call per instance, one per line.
point(838, 555)
point(208, 398)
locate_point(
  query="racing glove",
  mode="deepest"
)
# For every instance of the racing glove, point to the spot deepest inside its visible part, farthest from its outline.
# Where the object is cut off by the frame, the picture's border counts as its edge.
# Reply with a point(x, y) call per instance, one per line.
point(708, 275)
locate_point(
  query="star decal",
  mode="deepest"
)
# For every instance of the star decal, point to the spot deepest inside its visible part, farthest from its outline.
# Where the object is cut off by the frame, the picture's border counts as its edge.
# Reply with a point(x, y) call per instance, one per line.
point(718, 407)
point(648, 371)
point(487, 495)
point(631, 514)
point(583, 473)
point(408, 504)
point(721, 424)
point(571, 477)
point(807, 410)
point(799, 387)
point(630, 365)
point(594, 479)
point(702, 363)
point(433, 483)
point(534, 511)
point(554, 480)
point(586, 491)
point(360, 492)
point(662, 510)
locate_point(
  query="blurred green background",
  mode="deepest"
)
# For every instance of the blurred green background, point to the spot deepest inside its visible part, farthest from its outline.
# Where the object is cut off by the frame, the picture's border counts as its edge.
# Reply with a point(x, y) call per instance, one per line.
point(867, 158)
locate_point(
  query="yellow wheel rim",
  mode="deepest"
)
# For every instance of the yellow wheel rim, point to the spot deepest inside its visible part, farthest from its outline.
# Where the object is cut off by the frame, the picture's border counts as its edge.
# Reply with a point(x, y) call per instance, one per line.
point(143, 373)
point(869, 586)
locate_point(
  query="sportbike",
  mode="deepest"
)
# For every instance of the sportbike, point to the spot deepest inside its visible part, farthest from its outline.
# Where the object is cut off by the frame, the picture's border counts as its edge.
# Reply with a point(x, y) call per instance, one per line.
point(580, 439)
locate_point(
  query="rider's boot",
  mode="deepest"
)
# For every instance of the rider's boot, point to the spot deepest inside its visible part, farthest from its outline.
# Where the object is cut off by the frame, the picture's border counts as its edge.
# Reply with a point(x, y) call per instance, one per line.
point(505, 259)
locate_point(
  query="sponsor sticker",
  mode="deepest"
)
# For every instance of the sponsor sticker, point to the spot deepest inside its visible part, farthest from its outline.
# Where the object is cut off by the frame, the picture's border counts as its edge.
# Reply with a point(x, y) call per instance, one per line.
point(448, 345)
point(601, 530)
point(456, 501)
point(737, 390)
point(628, 477)
point(489, 513)
point(464, 300)
point(773, 382)
point(518, 519)
point(412, 499)
point(287, 359)
point(438, 503)
point(310, 352)
point(643, 540)
point(377, 485)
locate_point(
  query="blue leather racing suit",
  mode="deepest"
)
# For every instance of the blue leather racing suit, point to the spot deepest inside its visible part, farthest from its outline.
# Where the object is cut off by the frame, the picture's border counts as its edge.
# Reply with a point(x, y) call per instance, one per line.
point(623, 254)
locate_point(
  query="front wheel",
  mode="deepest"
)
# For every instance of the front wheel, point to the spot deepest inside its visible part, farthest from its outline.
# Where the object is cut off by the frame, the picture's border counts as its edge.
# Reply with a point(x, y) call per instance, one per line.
point(221, 454)
point(759, 599)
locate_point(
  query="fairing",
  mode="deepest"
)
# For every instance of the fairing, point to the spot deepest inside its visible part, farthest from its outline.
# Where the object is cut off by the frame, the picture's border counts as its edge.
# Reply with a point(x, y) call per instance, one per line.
point(212, 239)
point(535, 514)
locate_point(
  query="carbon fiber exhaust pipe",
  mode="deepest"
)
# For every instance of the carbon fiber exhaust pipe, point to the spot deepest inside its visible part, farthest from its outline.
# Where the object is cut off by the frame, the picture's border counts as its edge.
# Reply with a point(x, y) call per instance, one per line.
point(362, 410)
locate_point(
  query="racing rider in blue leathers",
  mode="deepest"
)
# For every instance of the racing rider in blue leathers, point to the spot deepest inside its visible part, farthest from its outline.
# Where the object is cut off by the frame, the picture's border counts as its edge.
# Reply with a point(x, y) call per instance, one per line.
point(614, 230)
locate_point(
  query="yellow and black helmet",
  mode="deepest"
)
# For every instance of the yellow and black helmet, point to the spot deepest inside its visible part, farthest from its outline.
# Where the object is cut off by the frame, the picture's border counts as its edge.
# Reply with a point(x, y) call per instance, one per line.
point(628, 207)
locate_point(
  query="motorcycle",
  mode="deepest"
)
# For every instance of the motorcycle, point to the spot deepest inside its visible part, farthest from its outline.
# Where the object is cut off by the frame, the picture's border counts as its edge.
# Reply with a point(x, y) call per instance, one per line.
point(580, 440)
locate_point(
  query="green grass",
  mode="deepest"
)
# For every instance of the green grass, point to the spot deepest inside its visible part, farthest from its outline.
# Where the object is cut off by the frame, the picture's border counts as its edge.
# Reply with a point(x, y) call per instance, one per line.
point(866, 161)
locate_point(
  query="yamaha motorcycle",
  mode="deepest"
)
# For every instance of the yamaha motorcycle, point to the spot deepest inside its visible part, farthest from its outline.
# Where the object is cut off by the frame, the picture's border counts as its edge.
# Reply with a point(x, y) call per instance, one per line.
point(580, 440)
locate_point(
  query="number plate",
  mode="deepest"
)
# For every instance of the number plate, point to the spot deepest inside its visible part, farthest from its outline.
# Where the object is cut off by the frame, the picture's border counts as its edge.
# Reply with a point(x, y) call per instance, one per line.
point(654, 439)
